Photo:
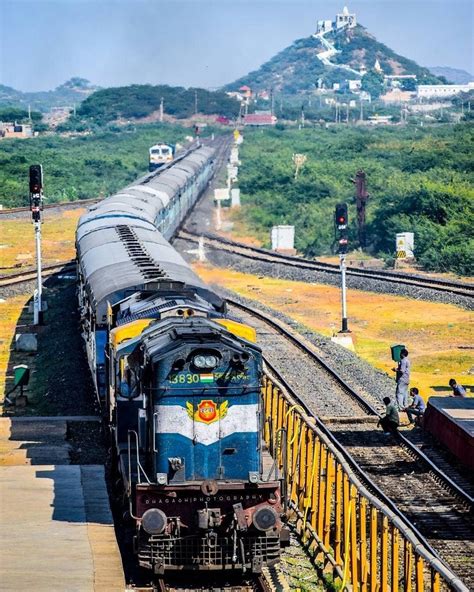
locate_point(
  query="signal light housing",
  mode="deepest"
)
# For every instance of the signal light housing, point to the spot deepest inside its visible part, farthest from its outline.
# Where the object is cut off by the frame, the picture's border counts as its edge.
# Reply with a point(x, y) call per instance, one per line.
point(340, 217)
point(36, 178)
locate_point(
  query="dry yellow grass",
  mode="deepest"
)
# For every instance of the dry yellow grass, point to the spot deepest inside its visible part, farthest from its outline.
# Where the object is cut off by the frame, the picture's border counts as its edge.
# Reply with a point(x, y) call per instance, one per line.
point(10, 312)
point(435, 334)
point(17, 240)
point(17, 250)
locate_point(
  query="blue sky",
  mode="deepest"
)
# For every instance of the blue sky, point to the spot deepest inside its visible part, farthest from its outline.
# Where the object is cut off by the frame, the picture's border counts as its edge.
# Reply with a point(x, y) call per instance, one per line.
point(204, 42)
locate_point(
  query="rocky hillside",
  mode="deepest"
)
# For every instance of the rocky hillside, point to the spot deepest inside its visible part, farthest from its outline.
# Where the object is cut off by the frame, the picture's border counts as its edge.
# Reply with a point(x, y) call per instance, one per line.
point(297, 68)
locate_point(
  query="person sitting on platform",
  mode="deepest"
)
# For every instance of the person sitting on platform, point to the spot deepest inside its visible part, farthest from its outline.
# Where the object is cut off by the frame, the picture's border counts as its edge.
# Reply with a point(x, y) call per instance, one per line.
point(416, 408)
point(458, 389)
point(391, 420)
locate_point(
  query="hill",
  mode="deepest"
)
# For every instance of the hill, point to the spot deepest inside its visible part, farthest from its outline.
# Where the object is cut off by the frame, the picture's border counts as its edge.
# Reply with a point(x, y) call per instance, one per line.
point(72, 91)
point(297, 68)
point(452, 74)
point(142, 100)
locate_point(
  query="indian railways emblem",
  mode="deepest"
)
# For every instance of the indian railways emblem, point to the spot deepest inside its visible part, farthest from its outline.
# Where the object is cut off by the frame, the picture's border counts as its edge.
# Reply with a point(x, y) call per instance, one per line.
point(207, 411)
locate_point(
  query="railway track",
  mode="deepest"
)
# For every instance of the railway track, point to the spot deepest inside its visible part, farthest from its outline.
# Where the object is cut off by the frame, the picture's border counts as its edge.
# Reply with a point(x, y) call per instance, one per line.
point(29, 275)
point(257, 254)
point(270, 580)
point(65, 205)
point(395, 469)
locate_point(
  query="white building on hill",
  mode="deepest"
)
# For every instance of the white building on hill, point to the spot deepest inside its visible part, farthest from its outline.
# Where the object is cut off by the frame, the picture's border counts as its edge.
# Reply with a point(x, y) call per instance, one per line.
point(344, 19)
point(428, 91)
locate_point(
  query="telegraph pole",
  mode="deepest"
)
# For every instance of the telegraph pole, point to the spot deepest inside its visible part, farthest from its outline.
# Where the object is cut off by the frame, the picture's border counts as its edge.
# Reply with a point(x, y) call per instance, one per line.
point(36, 207)
point(341, 223)
point(161, 110)
point(195, 102)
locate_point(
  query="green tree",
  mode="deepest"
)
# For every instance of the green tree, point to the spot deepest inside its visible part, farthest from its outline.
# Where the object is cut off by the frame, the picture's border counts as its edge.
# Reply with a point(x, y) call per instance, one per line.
point(372, 82)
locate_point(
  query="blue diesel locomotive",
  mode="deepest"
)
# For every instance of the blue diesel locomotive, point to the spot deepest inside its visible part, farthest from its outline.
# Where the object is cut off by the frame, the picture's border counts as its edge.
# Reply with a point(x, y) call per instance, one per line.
point(180, 381)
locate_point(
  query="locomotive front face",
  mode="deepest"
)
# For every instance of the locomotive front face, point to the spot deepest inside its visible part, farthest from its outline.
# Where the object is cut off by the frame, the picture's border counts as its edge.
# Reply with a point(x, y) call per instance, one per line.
point(210, 507)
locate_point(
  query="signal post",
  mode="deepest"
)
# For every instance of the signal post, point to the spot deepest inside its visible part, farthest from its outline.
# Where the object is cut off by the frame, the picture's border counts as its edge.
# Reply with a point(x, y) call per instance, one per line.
point(343, 337)
point(36, 207)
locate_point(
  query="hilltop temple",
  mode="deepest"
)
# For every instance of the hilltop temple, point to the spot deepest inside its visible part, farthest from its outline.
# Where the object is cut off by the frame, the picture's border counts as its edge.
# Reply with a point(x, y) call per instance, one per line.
point(344, 20)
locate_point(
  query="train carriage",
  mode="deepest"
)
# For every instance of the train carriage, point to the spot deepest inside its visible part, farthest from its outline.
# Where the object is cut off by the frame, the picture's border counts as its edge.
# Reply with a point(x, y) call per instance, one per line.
point(180, 382)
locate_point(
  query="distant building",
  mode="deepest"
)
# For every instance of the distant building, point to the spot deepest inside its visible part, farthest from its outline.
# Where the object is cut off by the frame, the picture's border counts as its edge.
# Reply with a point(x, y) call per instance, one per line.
point(235, 95)
point(246, 92)
point(343, 20)
point(377, 66)
point(428, 91)
point(14, 130)
point(223, 120)
point(354, 85)
point(259, 119)
point(379, 119)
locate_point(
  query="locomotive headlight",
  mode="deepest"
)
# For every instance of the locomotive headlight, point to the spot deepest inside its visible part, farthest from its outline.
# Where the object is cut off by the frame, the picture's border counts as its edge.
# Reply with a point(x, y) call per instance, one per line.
point(199, 361)
point(264, 518)
point(205, 361)
point(211, 361)
point(154, 521)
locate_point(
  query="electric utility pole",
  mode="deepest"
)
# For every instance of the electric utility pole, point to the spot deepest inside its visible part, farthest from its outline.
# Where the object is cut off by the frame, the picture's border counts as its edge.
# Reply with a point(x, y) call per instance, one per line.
point(36, 207)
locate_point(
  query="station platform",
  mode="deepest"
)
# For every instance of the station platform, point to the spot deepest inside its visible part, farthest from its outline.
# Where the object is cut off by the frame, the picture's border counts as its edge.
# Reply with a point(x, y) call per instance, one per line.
point(56, 526)
point(451, 421)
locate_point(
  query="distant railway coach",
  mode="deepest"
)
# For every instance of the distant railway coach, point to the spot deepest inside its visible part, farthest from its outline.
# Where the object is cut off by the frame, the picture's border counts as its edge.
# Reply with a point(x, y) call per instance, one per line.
point(160, 154)
point(180, 382)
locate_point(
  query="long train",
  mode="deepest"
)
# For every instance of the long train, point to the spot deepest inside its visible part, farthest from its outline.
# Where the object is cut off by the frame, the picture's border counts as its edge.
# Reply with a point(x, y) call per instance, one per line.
point(180, 382)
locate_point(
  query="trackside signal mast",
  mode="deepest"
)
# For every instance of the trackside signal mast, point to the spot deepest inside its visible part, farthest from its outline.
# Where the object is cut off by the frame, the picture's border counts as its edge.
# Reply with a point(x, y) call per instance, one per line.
point(341, 224)
point(36, 207)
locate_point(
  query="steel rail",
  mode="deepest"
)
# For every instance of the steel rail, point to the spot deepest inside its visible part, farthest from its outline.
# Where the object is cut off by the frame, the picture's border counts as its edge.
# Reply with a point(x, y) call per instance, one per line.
point(413, 449)
point(30, 274)
point(257, 253)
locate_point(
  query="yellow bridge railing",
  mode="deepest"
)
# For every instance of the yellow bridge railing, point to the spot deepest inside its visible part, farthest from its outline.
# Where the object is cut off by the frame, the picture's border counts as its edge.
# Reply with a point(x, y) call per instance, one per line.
point(350, 533)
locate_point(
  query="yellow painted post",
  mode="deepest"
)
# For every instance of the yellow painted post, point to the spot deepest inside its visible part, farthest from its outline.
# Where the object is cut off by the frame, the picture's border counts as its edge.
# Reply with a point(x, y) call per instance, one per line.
point(338, 516)
point(322, 491)
point(346, 501)
point(289, 446)
point(296, 447)
point(373, 549)
point(308, 486)
point(407, 559)
point(281, 410)
point(435, 581)
point(363, 544)
point(275, 395)
point(353, 539)
point(395, 558)
point(302, 466)
point(329, 498)
point(315, 493)
point(419, 564)
point(384, 556)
